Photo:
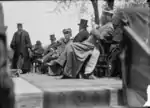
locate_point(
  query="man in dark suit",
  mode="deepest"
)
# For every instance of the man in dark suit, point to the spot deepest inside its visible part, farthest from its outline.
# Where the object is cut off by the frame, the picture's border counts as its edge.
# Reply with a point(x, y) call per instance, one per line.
point(83, 33)
point(21, 45)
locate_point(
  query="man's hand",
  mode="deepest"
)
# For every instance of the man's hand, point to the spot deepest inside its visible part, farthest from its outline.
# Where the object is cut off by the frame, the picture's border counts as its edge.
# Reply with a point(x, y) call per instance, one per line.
point(30, 52)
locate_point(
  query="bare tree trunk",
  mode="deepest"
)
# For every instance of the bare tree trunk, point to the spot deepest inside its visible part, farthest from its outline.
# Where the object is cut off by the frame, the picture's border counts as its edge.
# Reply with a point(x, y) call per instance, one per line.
point(96, 12)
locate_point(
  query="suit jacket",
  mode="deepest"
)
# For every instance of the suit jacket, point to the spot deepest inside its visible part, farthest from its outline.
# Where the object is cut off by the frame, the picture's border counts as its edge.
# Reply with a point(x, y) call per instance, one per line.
point(81, 36)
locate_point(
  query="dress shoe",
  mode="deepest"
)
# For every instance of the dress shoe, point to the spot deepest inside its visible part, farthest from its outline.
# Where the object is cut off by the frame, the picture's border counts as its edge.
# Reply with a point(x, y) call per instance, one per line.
point(90, 76)
point(66, 77)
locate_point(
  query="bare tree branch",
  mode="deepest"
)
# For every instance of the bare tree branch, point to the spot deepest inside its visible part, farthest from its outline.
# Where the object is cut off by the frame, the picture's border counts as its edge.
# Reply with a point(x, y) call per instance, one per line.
point(66, 4)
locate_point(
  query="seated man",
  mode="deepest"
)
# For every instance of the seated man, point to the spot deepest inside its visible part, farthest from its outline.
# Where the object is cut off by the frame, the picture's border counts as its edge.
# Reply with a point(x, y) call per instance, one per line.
point(83, 33)
point(52, 46)
point(50, 50)
point(76, 55)
point(37, 51)
point(59, 48)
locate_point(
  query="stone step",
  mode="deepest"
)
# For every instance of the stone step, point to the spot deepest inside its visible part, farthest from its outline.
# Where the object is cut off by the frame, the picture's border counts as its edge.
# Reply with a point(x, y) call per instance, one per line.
point(58, 93)
point(27, 95)
point(76, 98)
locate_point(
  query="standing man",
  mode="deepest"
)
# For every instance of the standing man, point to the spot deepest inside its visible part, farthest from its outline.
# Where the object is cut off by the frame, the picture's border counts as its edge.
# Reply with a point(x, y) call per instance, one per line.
point(21, 45)
point(83, 33)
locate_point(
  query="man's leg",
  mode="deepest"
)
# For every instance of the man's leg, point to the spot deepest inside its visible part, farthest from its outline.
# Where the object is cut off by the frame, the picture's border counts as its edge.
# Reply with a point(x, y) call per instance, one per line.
point(14, 63)
point(90, 66)
point(47, 57)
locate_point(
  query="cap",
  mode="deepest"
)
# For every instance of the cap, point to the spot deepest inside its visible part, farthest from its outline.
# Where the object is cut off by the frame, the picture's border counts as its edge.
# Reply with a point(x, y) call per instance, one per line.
point(66, 31)
point(19, 24)
point(38, 42)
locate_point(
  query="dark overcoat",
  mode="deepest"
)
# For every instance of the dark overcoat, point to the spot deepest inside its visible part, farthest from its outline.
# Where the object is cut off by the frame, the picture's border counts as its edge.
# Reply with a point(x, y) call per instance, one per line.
point(20, 44)
point(81, 36)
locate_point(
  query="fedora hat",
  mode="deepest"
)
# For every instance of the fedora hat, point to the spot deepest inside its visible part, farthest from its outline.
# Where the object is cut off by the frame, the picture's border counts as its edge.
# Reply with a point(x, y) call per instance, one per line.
point(83, 23)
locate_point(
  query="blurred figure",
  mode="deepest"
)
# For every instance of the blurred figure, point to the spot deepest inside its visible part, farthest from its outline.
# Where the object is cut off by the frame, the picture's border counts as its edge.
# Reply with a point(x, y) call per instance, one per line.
point(111, 42)
point(83, 33)
point(37, 50)
point(7, 95)
point(21, 44)
point(106, 16)
point(37, 53)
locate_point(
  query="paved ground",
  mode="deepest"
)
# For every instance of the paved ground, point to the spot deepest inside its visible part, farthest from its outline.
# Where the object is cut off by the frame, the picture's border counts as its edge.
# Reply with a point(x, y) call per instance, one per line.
point(29, 96)
point(49, 82)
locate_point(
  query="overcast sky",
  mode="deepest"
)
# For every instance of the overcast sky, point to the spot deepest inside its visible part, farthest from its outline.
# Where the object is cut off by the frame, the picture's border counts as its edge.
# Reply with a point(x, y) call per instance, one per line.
point(38, 21)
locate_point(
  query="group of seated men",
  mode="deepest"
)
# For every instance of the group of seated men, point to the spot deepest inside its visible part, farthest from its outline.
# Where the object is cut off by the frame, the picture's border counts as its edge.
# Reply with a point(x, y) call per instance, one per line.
point(77, 58)
point(52, 52)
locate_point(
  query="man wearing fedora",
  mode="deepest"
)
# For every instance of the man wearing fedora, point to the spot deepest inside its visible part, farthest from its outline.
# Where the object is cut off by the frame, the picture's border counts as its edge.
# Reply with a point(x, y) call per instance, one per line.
point(7, 94)
point(83, 33)
point(21, 45)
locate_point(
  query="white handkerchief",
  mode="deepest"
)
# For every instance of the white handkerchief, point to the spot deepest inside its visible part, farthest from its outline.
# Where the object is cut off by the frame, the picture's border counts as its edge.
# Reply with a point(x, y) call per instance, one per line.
point(147, 104)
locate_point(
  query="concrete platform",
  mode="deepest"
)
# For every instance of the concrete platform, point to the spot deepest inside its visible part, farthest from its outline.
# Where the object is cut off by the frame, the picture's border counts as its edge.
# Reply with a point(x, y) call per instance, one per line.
point(76, 93)
point(27, 95)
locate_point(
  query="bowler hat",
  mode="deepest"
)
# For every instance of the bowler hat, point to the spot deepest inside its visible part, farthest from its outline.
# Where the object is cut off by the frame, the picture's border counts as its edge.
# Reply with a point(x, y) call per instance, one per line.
point(83, 23)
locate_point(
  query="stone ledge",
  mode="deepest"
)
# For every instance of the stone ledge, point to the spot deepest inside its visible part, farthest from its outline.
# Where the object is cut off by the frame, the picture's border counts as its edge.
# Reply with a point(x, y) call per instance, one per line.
point(27, 95)
point(75, 93)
